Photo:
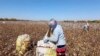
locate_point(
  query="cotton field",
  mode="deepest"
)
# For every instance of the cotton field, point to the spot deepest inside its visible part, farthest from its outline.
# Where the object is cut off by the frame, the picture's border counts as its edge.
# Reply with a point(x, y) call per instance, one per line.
point(79, 42)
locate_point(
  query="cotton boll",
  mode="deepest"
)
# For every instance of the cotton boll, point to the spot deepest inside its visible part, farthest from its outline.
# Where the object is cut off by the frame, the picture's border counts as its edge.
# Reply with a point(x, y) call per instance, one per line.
point(3, 22)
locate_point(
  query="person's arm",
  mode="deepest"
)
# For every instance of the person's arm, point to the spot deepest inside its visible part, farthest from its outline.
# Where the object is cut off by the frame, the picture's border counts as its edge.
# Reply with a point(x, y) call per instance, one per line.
point(54, 37)
point(47, 35)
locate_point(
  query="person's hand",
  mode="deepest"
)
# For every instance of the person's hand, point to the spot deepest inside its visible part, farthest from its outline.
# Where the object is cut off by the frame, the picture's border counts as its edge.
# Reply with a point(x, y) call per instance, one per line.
point(46, 40)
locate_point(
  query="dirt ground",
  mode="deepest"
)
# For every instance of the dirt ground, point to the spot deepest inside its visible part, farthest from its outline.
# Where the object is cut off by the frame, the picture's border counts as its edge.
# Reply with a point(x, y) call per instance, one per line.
point(79, 43)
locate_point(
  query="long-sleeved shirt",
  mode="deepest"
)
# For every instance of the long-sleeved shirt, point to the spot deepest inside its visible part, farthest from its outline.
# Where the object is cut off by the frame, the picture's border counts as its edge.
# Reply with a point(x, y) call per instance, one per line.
point(57, 36)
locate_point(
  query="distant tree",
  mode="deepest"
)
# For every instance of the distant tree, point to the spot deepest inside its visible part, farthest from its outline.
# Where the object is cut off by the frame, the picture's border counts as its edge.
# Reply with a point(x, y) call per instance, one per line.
point(8, 19)
point(94, 21)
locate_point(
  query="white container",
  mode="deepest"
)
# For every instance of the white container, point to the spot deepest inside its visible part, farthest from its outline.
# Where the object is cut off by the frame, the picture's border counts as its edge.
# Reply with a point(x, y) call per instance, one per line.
point(45, 49)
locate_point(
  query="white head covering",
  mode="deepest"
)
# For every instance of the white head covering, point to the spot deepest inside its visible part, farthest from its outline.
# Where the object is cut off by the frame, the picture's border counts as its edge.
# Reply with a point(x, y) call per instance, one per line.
point(52, 23)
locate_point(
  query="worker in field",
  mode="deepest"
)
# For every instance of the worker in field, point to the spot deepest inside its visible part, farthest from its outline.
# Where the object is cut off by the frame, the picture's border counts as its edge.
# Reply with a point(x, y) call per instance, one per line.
point(86, 27)
point(56, 37)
